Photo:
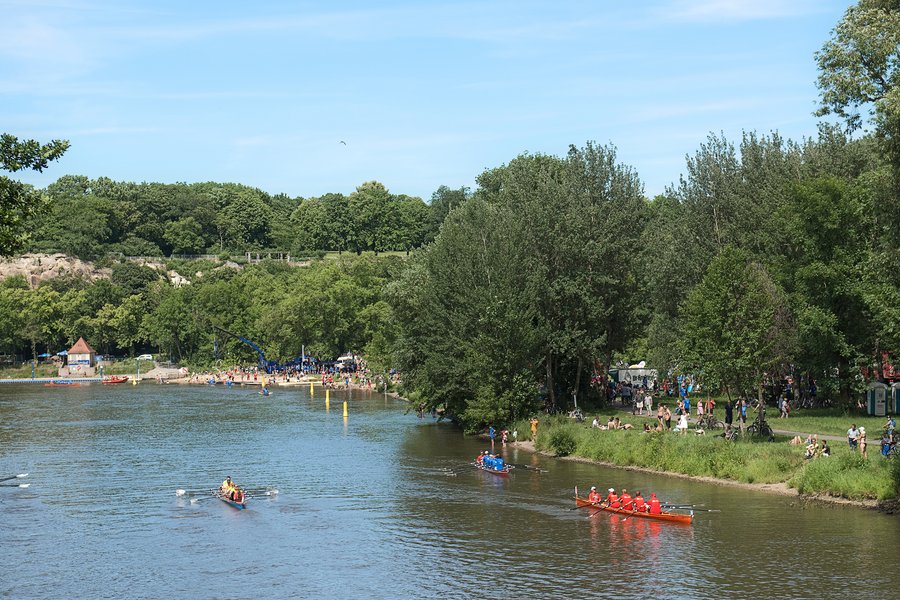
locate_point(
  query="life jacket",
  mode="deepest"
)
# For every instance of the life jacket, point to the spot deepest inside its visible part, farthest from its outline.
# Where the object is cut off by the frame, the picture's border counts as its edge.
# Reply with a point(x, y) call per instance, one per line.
point(480, 459)
point(655, 507)
point(613, 500)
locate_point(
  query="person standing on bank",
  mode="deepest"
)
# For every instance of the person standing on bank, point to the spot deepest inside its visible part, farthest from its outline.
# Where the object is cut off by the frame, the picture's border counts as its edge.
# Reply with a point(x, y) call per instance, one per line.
point(863, 442)
point(729, 414)
point(853, 436)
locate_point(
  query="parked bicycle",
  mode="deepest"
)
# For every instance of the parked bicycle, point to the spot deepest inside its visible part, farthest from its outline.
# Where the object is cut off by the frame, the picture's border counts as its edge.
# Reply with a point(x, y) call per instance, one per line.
point(760, 427)
point(709, 421)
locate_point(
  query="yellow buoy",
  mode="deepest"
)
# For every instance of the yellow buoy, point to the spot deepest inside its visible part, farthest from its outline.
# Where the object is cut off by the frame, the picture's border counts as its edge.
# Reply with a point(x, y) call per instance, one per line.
point(327, 396)
point(345, 408)
point(310, 389)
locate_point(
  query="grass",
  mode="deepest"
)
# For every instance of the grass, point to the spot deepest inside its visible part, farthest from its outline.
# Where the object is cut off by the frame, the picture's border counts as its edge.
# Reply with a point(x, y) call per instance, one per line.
point(847, 474)
point(827, 421)
point(24, 371)
point(844, 474)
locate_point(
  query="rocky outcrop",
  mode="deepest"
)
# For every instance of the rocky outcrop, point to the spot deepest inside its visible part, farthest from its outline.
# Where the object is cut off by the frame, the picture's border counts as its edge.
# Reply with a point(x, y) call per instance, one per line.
point(40, 267)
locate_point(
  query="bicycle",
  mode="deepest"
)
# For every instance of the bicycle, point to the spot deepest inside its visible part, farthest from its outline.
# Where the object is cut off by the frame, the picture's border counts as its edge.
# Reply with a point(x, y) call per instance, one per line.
point(709, 421)
point(760, 427)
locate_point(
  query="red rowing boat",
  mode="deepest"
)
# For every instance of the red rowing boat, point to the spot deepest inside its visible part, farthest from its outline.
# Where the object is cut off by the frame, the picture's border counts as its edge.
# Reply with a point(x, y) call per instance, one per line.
point(115, 379)
point(666, 516)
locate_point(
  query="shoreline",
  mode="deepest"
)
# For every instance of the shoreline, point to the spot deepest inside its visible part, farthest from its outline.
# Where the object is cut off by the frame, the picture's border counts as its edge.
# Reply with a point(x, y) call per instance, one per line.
point(781, 489)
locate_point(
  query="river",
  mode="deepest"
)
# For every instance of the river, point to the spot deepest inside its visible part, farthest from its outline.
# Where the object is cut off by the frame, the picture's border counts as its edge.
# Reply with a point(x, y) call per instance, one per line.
point(380, 505)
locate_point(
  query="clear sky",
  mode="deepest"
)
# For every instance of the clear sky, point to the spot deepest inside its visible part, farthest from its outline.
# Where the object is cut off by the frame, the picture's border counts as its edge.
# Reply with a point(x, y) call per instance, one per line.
point(423, 94)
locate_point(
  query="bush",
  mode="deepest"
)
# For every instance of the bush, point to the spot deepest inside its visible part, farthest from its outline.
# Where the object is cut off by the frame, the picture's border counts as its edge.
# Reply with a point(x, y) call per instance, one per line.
point(562, 441)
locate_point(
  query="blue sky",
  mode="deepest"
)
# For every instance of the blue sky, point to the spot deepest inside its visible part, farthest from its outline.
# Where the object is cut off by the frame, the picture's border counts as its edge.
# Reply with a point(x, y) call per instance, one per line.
point(424, 94)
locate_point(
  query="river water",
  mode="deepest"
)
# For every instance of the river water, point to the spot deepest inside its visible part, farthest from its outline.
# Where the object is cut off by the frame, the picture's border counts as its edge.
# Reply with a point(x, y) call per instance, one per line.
point(380, 505)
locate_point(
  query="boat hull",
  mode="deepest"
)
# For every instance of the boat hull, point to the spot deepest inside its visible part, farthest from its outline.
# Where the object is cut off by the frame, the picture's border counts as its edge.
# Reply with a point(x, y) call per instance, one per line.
point(666, 516)
point(498, 472)
point(112, 380)
point(230, 502)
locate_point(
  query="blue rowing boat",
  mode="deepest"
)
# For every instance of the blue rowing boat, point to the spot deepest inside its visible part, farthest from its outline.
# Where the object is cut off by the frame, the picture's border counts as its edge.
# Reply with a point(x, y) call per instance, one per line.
point(224, 498)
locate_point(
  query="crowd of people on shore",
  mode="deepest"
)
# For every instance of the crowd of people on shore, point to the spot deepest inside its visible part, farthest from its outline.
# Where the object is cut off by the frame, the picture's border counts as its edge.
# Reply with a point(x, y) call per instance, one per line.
point(355, 374)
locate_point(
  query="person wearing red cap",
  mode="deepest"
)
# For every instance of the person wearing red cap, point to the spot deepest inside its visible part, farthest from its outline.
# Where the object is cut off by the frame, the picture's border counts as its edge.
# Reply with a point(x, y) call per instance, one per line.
point(594, 497)
point(655, 506)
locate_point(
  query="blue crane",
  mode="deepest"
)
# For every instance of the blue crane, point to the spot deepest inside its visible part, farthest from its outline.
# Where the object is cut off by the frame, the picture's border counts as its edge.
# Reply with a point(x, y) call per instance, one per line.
point(267, 365)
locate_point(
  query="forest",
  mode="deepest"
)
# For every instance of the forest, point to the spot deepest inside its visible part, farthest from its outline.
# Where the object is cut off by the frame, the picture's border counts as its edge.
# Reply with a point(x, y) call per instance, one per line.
point(768, 258)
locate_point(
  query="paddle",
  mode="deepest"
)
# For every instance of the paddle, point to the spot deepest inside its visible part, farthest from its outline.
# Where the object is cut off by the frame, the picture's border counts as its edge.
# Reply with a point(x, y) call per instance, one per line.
point(693, 509)
point(518, 466)
point(20, 485)
point(19, 476)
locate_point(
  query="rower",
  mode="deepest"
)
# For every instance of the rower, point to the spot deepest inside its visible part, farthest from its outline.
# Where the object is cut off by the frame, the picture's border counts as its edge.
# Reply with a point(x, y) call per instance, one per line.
point(627, 502)
point(480, 459)
point(227, 484)
point(499, 463)
point(639, 504)
point(655, 506)
point(594, 497)
point(612, 500)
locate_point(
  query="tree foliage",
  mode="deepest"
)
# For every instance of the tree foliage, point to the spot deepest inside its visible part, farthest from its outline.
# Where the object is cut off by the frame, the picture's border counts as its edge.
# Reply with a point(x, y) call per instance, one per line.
point(18, 202)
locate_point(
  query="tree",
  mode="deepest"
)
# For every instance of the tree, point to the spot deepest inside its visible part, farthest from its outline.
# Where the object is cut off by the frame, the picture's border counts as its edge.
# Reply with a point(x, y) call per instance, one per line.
point(859, 66)
point(184, 236)
point(735, 325)
point(18, 203)
point(528, 284)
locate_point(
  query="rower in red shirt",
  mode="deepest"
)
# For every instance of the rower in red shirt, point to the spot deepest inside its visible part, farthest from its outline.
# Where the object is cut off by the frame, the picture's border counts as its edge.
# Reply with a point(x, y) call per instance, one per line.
point(594, 497)
point(611, 499)
point(639, 504)
point(655, 506)
point(627, 502)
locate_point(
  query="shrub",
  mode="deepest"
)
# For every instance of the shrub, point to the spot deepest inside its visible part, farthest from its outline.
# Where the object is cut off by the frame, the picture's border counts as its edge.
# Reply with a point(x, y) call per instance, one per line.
point(562, 441)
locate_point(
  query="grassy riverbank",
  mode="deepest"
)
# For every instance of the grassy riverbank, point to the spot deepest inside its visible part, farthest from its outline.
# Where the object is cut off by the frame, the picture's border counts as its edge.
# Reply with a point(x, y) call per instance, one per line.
point(844, 474)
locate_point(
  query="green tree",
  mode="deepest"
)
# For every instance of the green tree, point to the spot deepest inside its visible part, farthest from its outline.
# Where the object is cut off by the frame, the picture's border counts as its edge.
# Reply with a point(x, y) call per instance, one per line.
point(18, 202)
point(736, 327)
point(184, 236)
point(859, 66)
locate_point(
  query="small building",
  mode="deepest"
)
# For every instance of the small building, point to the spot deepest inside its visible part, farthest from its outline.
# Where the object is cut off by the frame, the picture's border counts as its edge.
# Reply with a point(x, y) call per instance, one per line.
point(81, 360)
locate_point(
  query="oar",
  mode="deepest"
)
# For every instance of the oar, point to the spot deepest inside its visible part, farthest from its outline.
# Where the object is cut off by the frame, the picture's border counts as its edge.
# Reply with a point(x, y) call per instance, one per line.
point(591, 505)
point(681, 505)
point(19, 476)
point(517, 466)
point(693, 509)
point(20, 485)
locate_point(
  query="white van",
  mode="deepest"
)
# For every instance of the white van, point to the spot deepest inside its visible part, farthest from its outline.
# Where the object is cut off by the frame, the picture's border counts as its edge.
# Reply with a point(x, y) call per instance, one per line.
point(145, 357)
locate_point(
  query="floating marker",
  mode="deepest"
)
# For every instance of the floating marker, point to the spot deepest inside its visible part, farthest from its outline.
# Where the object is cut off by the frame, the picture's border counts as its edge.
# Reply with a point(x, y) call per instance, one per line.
point(345, 409)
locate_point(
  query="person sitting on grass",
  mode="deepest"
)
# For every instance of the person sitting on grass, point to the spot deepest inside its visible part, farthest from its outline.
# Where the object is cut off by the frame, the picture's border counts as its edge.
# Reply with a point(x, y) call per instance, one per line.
point(825, 450)
point(612, 423)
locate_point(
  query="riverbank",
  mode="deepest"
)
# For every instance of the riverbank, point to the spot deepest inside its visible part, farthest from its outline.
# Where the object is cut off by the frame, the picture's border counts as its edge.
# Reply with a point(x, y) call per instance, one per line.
point(779, 488)
point(778, 467)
